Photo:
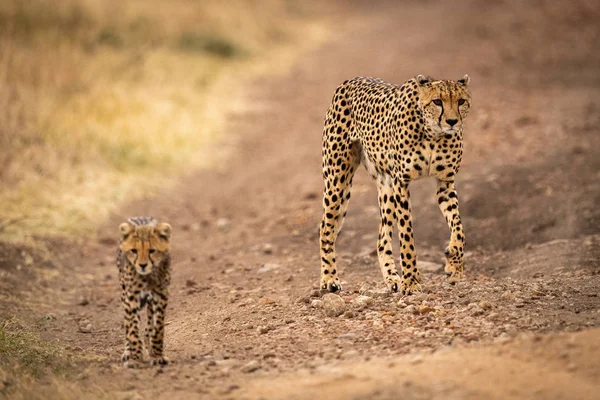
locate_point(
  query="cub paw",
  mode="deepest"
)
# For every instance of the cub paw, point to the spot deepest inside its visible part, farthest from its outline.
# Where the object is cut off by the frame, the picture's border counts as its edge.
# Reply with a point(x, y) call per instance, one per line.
point(131, 364)
point(129, 360)
point(162, 361)
point(331, 283)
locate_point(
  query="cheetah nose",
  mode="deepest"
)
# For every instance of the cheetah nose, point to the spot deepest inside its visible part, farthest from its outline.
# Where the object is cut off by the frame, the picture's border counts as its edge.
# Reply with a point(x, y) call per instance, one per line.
point(143, 266)
point(451, 122)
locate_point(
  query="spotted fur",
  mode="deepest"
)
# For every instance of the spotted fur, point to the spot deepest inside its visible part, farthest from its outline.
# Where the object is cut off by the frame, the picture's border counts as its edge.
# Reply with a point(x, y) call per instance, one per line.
point(144, 263)
point(399, 133)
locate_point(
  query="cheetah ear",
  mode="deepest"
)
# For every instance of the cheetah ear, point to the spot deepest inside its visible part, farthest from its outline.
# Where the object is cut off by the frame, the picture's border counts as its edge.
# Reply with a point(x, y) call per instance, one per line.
point(464, 80)
point(125, 230)
point(164, 231)
point(422, 80)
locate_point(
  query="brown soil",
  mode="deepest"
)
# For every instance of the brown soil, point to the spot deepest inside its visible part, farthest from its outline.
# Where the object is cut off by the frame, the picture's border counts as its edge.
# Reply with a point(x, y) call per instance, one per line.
point(245, 320)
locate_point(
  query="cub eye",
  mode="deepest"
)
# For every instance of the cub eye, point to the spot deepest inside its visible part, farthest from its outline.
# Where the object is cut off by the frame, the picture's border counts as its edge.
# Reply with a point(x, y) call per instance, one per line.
point(134, 251)
point(461, 102)
point(437, 102)
point(151, 251)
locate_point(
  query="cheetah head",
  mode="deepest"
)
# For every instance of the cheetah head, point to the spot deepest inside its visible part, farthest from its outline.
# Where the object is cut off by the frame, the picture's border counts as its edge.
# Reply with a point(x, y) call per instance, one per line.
point(145, 246)
point(444, 104)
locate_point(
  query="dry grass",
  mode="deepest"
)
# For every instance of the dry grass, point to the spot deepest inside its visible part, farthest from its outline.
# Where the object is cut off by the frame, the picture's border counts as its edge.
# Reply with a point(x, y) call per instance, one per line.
point(100, 100)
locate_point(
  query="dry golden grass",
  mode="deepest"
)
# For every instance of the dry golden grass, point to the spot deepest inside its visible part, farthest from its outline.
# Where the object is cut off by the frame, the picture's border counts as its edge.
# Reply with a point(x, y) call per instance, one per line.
point(101, 100)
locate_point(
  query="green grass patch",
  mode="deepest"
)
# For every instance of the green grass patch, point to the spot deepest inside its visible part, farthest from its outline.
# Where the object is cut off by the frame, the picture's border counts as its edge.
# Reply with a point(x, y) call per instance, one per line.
point(24, 352)
point(215, 45)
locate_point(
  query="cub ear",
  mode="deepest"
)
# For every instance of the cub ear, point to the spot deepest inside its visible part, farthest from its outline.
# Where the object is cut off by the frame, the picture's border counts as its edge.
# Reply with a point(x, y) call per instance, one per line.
point(164, 231)
point(464, 80)
point(422, 80)
point(125, 230)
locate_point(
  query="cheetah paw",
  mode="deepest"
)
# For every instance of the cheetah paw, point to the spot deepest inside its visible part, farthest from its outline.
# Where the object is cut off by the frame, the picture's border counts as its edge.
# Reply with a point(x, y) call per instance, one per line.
point(331, 284)
point(394, 282)
point(453, 272)
point(410, 287)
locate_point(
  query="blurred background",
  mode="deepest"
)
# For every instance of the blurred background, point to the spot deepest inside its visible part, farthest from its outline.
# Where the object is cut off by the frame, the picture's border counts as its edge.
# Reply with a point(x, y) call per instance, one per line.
point(208, 115)
point(100, 99)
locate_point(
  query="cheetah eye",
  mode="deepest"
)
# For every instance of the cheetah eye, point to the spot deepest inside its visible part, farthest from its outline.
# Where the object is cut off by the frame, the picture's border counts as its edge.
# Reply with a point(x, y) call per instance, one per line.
point(134, 251)
point(437, 102)
point(151, 251)
point(461, 102)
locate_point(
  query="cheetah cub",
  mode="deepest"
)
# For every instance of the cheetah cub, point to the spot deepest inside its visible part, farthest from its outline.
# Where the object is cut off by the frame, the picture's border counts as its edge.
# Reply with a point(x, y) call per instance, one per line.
point(144, 265)
point(399, 133)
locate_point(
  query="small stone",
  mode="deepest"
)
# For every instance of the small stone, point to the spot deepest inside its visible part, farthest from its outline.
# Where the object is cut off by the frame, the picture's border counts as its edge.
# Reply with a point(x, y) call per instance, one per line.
point(250, 367)
point(423, 309)
point(376, 293)
point(485, 305)
point(316, 303)
point(262, 329)
point(190, 283)
point(507, 295)
point(476, 311)
point(363, 300)
point(267, 248)
point(83, 301)
point(268, 267)
point(223, 223)
point(85, 326)
point(333, 305)
point(411, 309)
point(265, 301)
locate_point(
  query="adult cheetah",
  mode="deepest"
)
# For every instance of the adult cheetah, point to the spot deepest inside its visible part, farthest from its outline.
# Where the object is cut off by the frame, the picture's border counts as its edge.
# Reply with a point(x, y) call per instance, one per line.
point(144, 262)
point(399, 133)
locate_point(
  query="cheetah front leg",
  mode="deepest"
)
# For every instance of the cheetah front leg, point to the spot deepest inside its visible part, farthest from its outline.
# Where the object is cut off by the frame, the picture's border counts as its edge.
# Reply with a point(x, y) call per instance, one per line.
point(448, 202)
point(149, 334)
point(387, 214)
point(133, 347)
point(159, 305)
point(410, 273)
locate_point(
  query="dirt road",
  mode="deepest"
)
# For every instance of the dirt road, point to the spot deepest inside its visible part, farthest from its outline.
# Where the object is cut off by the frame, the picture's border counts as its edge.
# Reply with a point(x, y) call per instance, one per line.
point(245, 320)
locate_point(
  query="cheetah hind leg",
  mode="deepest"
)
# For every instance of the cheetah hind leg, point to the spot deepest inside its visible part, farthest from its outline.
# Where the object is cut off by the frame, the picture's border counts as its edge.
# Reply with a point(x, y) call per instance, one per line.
point(336, 196)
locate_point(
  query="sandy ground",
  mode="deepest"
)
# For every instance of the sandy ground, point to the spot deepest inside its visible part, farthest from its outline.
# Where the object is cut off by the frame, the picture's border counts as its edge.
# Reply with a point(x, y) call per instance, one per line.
point(245, 318)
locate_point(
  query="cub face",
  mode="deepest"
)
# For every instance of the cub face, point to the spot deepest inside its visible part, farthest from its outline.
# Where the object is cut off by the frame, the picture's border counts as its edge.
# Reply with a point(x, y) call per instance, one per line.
point(145, 246)
point(444, 104)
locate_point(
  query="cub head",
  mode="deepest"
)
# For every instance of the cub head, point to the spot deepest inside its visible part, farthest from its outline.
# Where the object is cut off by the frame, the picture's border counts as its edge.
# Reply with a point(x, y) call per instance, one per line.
point(444, 104)
point(145, 246)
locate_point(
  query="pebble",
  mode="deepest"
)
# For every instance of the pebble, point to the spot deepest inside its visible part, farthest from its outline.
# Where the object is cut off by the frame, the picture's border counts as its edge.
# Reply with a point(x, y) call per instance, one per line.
point(223, 223)
point(267, 248)
point(333, 305)
point(363, 300)
point(262, 329)
point(268, 267)
point(485, 305)
point(85, 326)
point(250, 367)
point(316, 303)
point(424, 309)
point(411, 309)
